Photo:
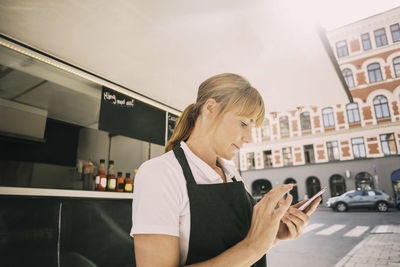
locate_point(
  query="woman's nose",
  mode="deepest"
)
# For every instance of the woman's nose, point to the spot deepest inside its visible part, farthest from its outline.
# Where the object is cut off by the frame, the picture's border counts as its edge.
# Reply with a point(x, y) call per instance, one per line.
point(248, 138)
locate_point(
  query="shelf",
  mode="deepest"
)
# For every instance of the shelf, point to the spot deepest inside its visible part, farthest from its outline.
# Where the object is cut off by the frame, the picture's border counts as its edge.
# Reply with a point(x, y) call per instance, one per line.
point(28, 191)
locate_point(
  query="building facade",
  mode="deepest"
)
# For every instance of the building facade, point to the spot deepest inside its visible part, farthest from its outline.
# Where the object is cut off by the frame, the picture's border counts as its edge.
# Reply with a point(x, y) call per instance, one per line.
point(345, 146)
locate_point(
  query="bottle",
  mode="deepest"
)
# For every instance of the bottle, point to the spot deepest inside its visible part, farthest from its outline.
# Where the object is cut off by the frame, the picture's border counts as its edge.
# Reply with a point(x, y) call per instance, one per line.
point(133, 179)
point(128, 182)
point(101, 178)
point(120, 182)
point(87, 174)
point(111, 180)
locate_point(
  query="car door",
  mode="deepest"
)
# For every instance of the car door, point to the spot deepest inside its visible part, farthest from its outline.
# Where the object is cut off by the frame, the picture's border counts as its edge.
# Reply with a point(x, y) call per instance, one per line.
point(355, 199)
point(370, 198)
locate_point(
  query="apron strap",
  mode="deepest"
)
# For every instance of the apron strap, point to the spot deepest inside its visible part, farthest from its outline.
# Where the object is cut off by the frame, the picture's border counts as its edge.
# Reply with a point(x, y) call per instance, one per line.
point(180, 156)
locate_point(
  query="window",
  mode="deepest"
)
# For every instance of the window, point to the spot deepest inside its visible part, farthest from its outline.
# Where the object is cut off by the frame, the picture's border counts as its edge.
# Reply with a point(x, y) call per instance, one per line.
point(380, 37)
point(327, 116)
point(358, 147)
point(374, 73)
point(265, 130)
point(378, 193)
point(333, 150)
point(341, 48)
point(395, 29)
point(305, 121)
point(357, 193)
point(309, 154)
point(348, 76)
point(366, 42)
point(396, 66)
point(251, 163)
point(284, 125)
point(353, 115)
point(267, 158)
point(381, 107)
point(388, 143)
point(287, 156)
point(371, 193)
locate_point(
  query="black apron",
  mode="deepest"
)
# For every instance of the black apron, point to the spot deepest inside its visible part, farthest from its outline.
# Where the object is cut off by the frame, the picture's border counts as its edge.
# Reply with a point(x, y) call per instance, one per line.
point(220, 215)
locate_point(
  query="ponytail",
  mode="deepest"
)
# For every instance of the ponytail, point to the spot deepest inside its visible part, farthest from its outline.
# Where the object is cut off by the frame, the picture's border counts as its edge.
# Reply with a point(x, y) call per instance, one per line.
point(184, 126)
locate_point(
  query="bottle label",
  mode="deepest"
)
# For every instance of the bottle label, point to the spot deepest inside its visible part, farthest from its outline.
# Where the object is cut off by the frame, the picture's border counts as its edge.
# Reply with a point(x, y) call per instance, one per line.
point(97, 179)
point(128, 187)
point(103, 182)
point(121, 186)
point(111, 183)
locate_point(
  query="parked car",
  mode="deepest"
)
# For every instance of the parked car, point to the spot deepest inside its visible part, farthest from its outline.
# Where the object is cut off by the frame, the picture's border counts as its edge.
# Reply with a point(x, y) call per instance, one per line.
point(362, 199)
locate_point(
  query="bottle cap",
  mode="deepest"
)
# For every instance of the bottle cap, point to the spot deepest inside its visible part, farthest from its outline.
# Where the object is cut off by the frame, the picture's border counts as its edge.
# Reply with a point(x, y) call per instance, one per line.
point(128, 174)
point(119, 174)
point(102, 161)
point(110, 162)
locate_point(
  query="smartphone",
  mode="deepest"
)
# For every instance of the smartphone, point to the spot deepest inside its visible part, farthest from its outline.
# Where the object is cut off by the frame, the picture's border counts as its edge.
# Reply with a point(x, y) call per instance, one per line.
point(305, 205)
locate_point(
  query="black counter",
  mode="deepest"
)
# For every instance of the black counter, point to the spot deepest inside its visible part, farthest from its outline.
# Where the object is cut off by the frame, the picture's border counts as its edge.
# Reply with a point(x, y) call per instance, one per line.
point(65, 231)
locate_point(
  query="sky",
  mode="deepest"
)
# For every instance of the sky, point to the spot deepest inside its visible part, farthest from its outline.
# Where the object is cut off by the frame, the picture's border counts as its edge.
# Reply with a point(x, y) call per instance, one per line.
point(333, 14)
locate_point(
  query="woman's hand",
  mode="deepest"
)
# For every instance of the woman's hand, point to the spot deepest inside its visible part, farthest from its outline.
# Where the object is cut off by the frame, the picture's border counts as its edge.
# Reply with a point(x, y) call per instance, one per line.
point(267, 214)
point(294, 221)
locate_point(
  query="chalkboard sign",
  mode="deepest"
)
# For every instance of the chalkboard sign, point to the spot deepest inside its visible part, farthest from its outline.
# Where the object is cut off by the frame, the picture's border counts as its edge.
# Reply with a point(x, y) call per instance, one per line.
point(123, 115)
point(171, 124)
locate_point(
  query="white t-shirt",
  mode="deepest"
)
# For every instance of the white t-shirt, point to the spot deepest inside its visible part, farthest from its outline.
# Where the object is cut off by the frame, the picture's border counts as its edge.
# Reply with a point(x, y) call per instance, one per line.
point(160, 199)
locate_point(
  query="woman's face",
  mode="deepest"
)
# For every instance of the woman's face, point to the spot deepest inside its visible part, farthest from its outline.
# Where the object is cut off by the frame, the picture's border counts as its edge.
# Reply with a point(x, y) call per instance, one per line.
point(231, 133)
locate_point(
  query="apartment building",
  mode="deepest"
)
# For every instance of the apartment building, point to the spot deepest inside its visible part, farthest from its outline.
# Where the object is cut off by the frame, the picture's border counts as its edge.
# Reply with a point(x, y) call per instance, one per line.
point(345, 146)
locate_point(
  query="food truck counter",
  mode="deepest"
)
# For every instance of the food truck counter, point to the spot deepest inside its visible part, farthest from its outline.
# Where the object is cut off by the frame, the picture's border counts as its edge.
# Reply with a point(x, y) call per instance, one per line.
point(53, 227)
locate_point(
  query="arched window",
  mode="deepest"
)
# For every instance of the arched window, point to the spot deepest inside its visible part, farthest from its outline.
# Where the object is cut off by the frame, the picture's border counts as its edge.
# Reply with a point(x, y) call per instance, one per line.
point(284, 125)
point(374, 73)
point(305, 121)
point(348, 76)
point(260, 187)
point(396, 66)
point(381, 107)
point(327, 116)
point(337, 184)
point(313, 186)
point(353, 115)
point(364, 181)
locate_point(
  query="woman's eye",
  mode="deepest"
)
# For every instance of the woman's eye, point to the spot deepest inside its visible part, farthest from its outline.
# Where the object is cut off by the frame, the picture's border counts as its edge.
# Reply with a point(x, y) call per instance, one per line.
point(243, 124)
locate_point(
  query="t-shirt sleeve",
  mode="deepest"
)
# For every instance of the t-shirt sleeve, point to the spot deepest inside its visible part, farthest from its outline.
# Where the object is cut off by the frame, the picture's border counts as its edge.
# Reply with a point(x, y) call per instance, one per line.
point(156, 204)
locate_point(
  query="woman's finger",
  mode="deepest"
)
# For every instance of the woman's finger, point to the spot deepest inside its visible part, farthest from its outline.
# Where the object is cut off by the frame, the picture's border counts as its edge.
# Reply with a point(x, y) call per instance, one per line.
point(295, 220)
point(291, 227)
point(304, 217)
point(299, 203)
point(284, 206)
point(313, 206)
point(271, 199)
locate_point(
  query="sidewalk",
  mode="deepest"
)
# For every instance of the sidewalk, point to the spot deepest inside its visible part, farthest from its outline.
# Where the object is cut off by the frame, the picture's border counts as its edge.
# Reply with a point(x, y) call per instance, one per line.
point(380, 248)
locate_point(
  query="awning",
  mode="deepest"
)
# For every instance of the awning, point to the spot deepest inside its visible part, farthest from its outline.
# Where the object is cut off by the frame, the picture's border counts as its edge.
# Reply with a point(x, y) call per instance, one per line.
point(165, 49)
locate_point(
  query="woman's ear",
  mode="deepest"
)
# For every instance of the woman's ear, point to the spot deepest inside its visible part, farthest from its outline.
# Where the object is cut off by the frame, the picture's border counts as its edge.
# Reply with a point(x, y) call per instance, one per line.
point(210, 106)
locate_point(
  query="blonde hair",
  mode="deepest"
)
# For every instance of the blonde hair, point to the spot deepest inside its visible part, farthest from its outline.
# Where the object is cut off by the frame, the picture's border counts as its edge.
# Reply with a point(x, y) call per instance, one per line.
point(229, 90)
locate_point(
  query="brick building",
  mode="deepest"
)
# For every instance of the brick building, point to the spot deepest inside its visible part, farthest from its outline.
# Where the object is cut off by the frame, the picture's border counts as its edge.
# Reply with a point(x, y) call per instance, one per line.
point(347, 145)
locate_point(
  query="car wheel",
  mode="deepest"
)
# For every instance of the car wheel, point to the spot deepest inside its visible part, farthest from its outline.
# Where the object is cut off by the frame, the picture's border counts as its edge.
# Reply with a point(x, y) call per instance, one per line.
point(341, 207)
point(382, 206)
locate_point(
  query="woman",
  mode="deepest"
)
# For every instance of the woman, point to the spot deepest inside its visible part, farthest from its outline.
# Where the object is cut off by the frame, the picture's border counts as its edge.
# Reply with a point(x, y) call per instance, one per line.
point(190, 206)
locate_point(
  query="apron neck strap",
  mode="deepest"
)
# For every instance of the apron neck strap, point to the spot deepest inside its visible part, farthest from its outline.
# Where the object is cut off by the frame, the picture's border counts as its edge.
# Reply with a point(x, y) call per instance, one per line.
point(180, 156)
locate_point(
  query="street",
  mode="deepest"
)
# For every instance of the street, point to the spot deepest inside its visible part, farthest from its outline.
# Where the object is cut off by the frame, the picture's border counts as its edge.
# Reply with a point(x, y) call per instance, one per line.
point(329, 237)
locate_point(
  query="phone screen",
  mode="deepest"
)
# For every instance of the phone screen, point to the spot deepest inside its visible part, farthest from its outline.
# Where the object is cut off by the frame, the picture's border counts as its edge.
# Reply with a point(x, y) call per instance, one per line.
point(305, 205)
